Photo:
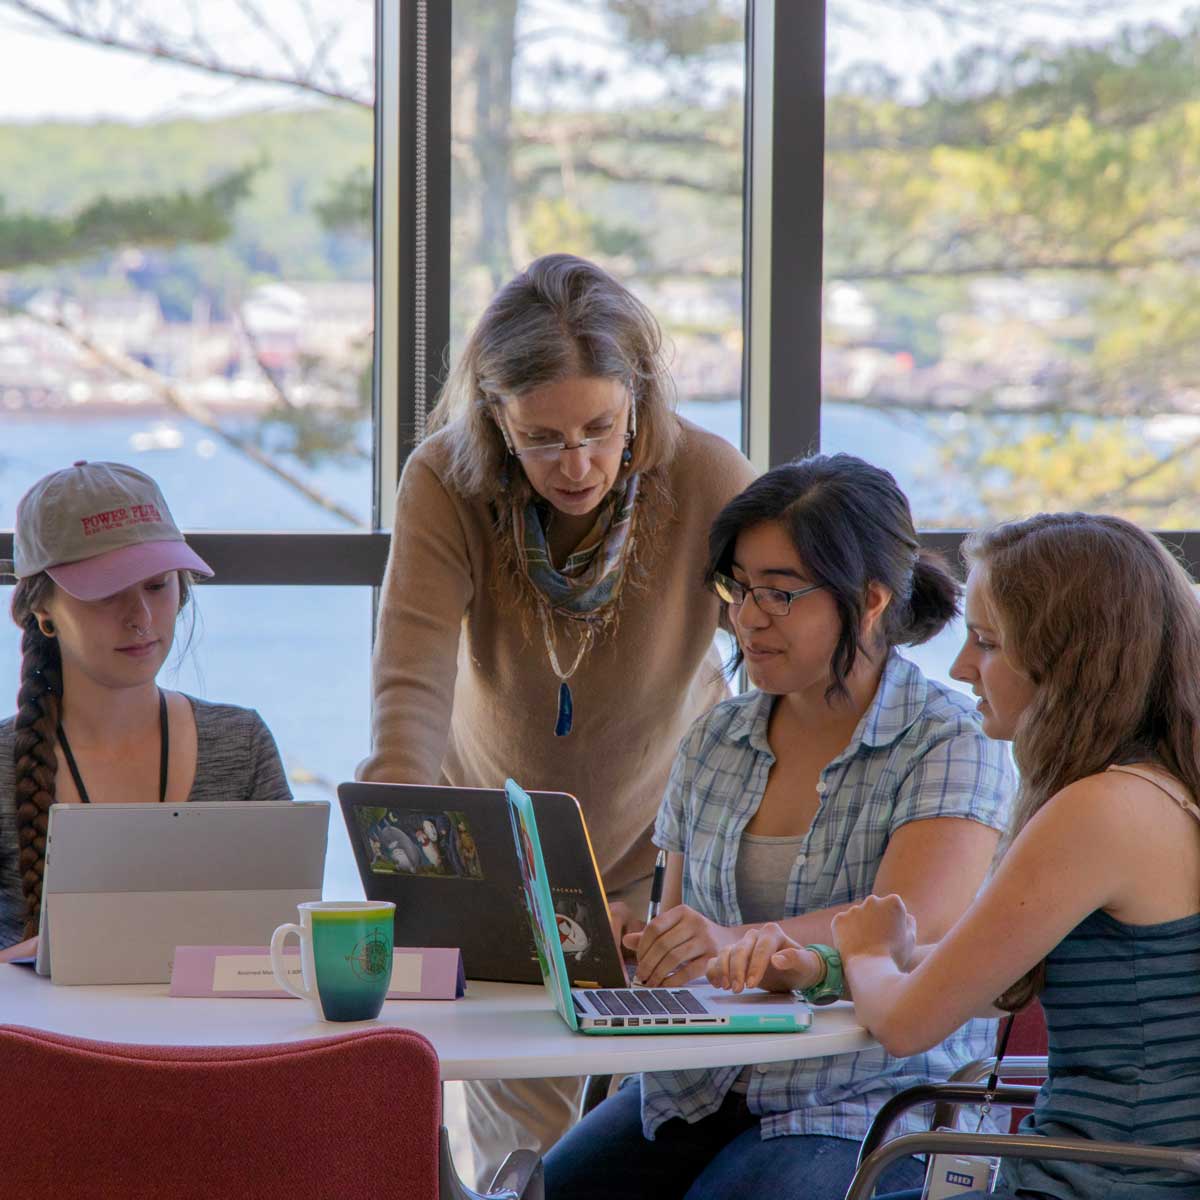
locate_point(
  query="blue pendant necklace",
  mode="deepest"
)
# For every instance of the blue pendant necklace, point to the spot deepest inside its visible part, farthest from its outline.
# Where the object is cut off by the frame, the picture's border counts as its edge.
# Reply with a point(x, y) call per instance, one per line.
point(566, 702)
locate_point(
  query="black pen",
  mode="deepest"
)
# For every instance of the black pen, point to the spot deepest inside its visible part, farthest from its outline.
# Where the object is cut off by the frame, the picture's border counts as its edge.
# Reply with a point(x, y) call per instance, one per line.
point(656, 886)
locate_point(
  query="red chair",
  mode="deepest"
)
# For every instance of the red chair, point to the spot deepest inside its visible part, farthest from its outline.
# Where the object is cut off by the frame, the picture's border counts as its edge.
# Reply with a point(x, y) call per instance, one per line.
point(1025, 1058)
point(357, 1116)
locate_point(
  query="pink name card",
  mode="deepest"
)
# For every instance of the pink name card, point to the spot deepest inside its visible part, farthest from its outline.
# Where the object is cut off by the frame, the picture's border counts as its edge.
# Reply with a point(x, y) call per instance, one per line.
point(420, 973)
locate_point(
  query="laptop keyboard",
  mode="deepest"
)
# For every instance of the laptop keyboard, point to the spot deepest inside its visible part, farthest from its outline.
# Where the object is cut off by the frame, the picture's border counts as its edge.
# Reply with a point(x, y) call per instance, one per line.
point(646, 1002)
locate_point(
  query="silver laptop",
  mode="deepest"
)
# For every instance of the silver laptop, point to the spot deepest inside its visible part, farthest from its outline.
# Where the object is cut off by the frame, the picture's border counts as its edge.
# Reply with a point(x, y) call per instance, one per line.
point(127, 883)
point(603, 1011)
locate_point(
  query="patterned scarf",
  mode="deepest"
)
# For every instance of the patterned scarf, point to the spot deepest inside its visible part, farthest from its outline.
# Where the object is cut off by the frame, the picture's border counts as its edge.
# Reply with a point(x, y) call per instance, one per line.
point(586, 588)
point(591, 578)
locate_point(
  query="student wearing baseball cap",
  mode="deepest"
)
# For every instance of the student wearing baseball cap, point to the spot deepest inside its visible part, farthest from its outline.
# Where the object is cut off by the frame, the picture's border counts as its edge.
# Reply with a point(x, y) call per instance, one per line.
point(102, 575)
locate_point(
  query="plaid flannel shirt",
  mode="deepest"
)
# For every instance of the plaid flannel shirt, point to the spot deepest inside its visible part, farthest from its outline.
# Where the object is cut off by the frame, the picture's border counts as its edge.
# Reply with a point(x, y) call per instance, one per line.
point(917, 753)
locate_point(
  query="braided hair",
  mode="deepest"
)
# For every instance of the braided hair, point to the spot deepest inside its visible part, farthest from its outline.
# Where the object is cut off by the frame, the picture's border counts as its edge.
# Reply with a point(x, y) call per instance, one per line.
point(39, 700)
point(39, 708)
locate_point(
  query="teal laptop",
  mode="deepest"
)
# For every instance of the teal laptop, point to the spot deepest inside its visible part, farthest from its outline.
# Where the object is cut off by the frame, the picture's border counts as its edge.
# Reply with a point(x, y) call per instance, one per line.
point(632, 1010)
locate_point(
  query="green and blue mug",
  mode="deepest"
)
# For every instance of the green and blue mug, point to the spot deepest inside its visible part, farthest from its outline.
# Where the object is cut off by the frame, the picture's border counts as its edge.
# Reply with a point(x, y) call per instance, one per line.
point(345, 957)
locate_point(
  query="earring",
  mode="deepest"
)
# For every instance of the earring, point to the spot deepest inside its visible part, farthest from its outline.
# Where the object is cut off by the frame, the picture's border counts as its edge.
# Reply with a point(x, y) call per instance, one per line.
point(46, 626)
point(626, 457)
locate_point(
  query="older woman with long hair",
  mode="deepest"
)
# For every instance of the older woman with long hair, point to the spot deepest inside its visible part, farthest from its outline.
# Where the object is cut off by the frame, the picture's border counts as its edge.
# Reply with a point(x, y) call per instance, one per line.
point(543, 612)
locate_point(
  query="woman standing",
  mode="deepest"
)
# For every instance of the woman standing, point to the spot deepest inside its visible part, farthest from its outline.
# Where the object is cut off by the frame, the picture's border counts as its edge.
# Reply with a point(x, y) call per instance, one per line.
point(543, 611)
point(102, 574)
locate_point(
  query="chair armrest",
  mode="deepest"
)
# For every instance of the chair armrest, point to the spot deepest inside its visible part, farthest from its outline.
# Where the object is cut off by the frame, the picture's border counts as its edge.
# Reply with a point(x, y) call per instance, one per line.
point(1018, 1145)
point(1015, 1066)
point(595, 1090)
point(942, 1094)
point(519, 1177)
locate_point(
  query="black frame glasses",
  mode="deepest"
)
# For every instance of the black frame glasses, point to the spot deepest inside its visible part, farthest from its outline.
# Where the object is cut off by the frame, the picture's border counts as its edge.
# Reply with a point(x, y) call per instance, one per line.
point(774, 602)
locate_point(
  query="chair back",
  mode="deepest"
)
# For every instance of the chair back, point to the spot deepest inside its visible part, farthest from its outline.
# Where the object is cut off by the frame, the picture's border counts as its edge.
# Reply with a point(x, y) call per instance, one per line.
point(352, 1115)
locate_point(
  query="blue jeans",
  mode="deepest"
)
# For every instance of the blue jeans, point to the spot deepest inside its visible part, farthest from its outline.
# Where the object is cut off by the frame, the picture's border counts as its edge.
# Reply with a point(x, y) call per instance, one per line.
point(722, 1157)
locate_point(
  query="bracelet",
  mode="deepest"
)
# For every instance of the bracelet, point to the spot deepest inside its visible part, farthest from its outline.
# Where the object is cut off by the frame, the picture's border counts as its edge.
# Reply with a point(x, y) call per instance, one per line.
point(833, 985)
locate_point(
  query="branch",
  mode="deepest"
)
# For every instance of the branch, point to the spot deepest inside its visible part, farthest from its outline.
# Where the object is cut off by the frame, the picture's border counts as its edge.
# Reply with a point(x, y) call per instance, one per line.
point(1121, 491)
point(1001, 267)
point(589, 166)
point(130, 368)
point(591, 132)
point(156, 48)
point(274, 378)
point(268, 372)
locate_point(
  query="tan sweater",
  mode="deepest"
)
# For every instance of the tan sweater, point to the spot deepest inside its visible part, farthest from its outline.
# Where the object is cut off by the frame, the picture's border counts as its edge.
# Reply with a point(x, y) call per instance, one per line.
point(464, 693)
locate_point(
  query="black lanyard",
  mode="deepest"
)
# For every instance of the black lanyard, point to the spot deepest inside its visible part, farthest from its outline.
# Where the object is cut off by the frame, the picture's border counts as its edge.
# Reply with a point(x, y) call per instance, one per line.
point(163, 758)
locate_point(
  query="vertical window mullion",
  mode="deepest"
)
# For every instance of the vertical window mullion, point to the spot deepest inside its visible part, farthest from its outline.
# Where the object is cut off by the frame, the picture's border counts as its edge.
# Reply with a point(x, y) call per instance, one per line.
point(784, 226)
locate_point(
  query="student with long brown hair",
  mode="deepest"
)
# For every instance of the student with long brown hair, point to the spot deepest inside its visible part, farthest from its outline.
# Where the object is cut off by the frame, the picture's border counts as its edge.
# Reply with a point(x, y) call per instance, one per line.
point(102, 575)
point(1083, 647)
point(543, 613)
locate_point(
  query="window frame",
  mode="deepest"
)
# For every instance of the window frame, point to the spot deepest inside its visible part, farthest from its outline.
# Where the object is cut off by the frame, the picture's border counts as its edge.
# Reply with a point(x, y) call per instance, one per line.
point(783, 206)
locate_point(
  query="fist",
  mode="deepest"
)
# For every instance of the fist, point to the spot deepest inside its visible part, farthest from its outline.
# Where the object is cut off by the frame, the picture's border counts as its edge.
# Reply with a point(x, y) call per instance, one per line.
point(878, 925)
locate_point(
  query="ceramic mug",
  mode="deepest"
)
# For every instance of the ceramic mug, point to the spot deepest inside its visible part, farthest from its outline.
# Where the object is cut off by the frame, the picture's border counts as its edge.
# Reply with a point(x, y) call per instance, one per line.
point(345, 957)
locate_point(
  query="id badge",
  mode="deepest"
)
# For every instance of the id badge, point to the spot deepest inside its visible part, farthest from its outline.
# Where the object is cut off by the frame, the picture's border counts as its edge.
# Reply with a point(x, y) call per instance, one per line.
point(950, 1175)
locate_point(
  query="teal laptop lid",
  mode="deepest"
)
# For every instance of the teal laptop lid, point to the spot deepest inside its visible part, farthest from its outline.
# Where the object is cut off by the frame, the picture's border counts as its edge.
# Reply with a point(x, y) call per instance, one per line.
point(535, 885)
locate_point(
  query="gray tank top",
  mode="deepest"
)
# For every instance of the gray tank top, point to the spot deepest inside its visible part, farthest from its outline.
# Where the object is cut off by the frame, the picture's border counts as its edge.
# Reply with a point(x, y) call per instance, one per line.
point(764, 868)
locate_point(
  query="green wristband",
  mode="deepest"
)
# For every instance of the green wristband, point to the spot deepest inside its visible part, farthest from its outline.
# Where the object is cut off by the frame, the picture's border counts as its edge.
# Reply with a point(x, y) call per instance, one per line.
point(833, 986)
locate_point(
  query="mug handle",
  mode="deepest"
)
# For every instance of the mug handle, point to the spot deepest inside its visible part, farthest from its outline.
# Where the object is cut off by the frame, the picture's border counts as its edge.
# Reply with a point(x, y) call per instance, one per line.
point(279, 967)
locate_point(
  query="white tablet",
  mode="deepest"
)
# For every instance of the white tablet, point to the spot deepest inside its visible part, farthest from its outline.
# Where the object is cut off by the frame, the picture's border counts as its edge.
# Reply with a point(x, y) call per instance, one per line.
point(127, 883)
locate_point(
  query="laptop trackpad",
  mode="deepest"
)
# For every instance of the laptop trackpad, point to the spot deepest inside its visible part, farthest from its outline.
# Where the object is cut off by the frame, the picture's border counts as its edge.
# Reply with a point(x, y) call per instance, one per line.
point(764, 1003)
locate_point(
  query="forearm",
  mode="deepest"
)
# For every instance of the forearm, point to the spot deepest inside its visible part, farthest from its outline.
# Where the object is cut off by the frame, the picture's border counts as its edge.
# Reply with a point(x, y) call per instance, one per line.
point(25, 949)
point(879, 989)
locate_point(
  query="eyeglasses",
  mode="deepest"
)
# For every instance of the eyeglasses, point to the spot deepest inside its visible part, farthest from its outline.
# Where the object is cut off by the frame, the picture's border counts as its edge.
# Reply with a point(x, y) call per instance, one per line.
point(527, 446)
point(775, 602)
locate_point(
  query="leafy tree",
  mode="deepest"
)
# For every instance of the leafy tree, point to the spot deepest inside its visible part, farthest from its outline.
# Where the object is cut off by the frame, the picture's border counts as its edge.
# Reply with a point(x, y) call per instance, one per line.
point(28, 239)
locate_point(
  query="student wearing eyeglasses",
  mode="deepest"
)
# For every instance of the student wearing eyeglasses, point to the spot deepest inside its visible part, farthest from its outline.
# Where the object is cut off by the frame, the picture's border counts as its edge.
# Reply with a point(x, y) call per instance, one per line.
point(844, 771)
point(543, 613)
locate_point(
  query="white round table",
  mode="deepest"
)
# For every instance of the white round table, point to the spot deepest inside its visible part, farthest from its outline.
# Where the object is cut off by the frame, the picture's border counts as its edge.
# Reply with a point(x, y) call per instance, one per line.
point(497, 1031)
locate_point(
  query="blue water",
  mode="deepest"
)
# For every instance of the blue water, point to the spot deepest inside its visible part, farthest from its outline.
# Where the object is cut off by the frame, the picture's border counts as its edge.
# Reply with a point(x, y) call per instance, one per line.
point(301, 655)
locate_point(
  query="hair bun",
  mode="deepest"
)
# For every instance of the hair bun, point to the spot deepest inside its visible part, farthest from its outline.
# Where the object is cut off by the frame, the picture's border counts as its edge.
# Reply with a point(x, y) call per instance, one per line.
point(934, 601)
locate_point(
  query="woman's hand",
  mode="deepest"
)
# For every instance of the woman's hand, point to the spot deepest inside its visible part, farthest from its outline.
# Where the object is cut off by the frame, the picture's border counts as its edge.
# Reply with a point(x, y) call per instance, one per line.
point(764, 957)
point(879, 926)
point(25, 949)
point(676, 945)
point(624, 921)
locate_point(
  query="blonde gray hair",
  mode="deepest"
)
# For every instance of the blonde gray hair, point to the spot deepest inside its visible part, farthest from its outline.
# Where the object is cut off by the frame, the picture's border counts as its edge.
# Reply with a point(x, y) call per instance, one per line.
point(562, 316)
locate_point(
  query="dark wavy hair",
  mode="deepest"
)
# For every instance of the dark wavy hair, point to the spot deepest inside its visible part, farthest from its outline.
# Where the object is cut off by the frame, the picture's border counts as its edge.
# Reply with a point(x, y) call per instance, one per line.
point(851, 525)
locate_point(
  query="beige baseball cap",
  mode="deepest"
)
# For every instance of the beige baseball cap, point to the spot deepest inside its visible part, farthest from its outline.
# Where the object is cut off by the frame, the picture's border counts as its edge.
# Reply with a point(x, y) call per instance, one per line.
point(98, 528)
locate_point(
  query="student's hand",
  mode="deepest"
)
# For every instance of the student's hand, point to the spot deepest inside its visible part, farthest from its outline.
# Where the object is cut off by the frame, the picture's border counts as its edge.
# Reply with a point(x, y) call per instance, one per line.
point(624, 921)
point(878, 926)
point(25, 949)
point(676, 945)
point(752, 961)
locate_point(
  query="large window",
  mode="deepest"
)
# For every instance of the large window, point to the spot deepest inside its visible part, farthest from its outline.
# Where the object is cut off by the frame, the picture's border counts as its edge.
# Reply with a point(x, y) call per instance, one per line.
point(185, 241)
point(186, 285)
point(613, 130)
point(1010, 240)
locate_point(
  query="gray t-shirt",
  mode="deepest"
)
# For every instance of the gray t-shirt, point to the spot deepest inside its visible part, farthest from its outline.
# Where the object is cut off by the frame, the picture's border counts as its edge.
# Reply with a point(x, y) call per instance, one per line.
point(236, 759)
